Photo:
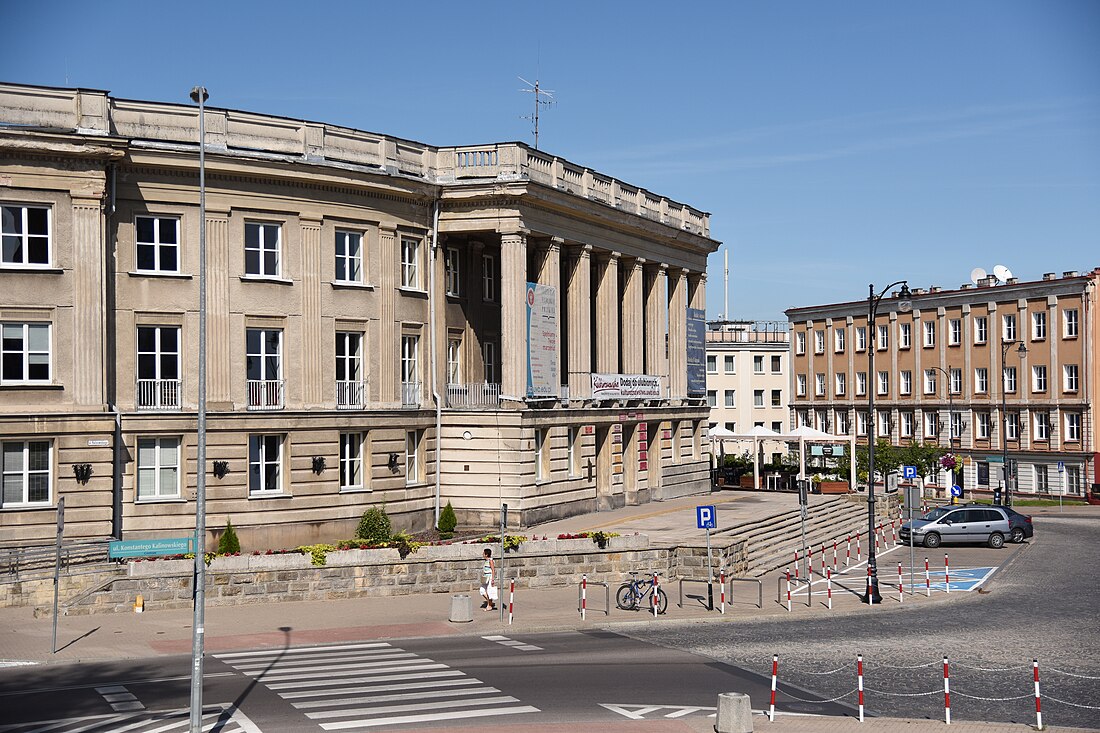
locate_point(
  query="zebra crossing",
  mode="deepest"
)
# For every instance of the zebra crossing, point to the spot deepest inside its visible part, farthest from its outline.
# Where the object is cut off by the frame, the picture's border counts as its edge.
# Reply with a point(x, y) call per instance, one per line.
point(221, 718)
point(371, 685)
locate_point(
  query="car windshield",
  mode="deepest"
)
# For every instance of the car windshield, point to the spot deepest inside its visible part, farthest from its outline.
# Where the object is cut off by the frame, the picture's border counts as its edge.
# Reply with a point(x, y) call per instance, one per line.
point(937, 513)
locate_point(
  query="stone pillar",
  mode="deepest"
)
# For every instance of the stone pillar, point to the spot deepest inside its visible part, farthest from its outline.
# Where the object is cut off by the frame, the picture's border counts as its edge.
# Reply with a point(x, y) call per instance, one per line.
point(513, 316)
point(633, 346)
point(219, 336)
point(550, 275)
point(89, 301)
point(677, 334)
point(607, 315)
point(389, 338)
point(579, 299)
point(656, 323)
point(316, 383)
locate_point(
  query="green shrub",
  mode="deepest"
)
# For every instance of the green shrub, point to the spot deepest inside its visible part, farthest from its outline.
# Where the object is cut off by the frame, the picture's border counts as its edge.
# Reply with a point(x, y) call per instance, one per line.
point(229, 544)
point(447, 522)
point(374, 526)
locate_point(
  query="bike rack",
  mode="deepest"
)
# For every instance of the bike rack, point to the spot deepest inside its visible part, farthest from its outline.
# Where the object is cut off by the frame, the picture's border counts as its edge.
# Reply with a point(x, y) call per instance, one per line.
point(710, 606)
point(796, 583)
point(606, 596)
point(759, 589)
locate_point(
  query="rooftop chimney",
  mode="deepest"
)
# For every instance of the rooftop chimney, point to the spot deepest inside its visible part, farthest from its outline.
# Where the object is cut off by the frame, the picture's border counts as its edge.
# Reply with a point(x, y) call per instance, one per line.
point(1048, 275)
point(1069, 273)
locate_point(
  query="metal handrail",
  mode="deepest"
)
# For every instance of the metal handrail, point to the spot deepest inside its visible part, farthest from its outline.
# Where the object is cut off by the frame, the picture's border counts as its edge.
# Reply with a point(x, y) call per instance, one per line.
point(606, 596)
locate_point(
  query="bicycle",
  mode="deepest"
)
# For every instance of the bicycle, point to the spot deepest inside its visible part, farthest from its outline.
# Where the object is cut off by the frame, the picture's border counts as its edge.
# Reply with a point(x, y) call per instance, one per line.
point(635, 592)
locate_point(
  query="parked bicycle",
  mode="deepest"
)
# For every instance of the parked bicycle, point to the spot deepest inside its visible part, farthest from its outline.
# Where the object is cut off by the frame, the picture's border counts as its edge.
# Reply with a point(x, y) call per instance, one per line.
point(638, 593)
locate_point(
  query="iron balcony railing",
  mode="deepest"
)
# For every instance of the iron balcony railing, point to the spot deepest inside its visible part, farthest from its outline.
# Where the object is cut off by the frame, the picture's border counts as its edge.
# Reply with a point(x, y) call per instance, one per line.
point(265, 394)
point(410, 394)
point(473, 396)
point(158, 394)
point(351, 395)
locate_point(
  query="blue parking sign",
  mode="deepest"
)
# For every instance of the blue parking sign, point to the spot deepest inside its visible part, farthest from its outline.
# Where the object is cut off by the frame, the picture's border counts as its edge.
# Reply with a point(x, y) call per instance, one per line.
point(706, 517)
point(908, 471)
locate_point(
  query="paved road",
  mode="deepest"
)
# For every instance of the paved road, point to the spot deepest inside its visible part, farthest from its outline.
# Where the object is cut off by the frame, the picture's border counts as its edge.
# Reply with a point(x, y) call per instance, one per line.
point(1042, 604)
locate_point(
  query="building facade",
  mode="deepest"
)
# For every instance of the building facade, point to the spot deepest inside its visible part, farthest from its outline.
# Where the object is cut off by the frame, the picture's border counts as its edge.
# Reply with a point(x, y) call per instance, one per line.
point(748, 375)
point(369, 343)
point(943, 371)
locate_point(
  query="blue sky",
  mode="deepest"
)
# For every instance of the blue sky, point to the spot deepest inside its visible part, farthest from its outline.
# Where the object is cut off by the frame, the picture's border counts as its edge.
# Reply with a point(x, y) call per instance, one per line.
point(834, 143)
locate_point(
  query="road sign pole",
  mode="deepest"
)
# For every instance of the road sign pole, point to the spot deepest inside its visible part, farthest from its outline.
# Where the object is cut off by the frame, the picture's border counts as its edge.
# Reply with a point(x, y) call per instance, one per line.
point(710, 576)
point(57, 567)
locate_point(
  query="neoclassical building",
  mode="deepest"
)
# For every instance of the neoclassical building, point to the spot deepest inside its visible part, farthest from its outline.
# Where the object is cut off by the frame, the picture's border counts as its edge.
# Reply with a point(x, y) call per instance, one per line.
point(389, 323)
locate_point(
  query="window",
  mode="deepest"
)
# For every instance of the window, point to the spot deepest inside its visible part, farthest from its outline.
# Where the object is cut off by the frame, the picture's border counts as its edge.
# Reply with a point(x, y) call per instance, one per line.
point(26, 467)
point(158, 366)
point(1038, 379)
point(983, 425)
point(841, 384)
point(158, 468)
point(349, 257)
point(489, 278)
point(1073, 480)
point(1008, 327)
point(24, 353)
point(264, 368)
point(800, 342)
point(843, 425)
point(956, 425)
point(262, 248)
point(758, 398)
point(883, 382)
point(905, 335)
point(731, 398)
point(861, 422)
point(777, 426)
point(1069, 378)
point(26, 236)
point(1010, 379)
point(777, 398)
point(819, 342)
point(351, 461)
point(350, 383)
point(983, 473)
point(1042, 426)
point(758, 365)
point(1012, 425)
point(930, 381)
point(1038, 326)
point(489, 355)
point(265, 464)
point(954, 332)
point(861, 338)
point(413, 445)
point(410, 263)
point(730, 363)
point(453, 271)
point(821, 420)
point(883, 426)
point(1042, 484)
point(800, 385)
point(907, 425)
point(732, 427)
point(981, 380)
point(861, 383)
point(1069, 323)
point(819, 385)
point(931, 424)
point(541, 454)
point(929, 334)
point(410, 369)
point(839, 339)
point(777, 364)
point(981, 329)
point(883, 338)
point(956, 381)
point(157, 239)
point(905, 382)
point(1073, 427)
point(712, 398)
point(573, 445)
point(712, 364)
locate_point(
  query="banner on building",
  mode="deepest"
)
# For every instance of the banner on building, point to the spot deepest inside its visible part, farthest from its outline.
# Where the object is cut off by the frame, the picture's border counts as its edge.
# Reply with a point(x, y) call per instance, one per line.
point(696, 352)
point(542, 341)
point(625, 387)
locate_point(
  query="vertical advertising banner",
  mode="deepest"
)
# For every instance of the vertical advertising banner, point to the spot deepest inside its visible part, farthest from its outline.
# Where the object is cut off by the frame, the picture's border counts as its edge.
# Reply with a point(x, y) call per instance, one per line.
point(696, 352)
point(542, 341)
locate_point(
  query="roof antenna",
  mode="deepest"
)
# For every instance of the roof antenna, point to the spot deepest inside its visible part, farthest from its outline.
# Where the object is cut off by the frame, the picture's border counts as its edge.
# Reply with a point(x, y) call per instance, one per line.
point(539, 93)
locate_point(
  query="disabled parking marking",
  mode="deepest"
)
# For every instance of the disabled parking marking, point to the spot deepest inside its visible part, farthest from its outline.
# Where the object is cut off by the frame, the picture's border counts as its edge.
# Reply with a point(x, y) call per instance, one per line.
point(962, 579)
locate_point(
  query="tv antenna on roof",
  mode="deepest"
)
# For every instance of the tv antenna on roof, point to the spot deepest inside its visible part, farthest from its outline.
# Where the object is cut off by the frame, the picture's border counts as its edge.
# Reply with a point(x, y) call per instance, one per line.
point(1002, 273)
point(539, 93)
point(977, 275)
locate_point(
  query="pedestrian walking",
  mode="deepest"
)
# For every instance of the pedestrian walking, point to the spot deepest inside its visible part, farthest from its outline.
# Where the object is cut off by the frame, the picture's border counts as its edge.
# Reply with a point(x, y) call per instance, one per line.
point(488, 581)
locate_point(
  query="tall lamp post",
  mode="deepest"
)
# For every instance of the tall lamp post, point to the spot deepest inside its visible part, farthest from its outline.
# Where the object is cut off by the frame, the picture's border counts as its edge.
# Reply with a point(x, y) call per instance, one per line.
point(1021, 351)
point(904, 305)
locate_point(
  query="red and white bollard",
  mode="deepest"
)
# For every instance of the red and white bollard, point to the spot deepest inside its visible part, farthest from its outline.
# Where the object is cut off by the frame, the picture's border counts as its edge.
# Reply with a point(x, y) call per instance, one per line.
point(511, 599)
point(655, 587)
point(870, 595)
point(848, 552)
point(893, 533)
point(859, 684)
point(796, 564)
point(809, 564)
point(946, 574)
point(788, 590)
point(834, 556)
point(823, 560)
point(901, 585)
point(1038, 706)
point(584, 595)
point(829, 587)
point(722, 590)
point(775, 673)
point(927, 580)
point(946, 694)
point(859, 549)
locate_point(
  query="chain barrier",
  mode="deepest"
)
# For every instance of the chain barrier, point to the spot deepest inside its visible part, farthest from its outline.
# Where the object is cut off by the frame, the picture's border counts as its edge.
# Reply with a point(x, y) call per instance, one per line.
point(1071, 704)
point(1073, 674)
point(831, 671)
point(919, 666)
point(904, 694)
point(799, 699)
point(994, 699)
point(991, 669)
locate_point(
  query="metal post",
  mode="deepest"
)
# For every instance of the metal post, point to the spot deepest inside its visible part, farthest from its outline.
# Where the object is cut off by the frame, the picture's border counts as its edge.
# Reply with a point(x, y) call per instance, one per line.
point(500, 573)
point(57, 567)
point(200, 95)
point(710, 576)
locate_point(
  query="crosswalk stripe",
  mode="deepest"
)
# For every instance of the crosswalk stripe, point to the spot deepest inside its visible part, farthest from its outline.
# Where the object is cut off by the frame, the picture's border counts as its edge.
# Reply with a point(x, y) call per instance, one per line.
point(342, 659)
point(349, 654)
point(348, 670)
point(428, 685)
point(327, 684)
point(396, 697)
point(428, 717)
point(409, 708)
point(302, 650)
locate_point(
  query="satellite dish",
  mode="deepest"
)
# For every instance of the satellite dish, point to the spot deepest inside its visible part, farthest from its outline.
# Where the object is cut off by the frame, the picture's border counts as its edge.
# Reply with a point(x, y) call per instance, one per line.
point(1002, 273)
point(977, 275)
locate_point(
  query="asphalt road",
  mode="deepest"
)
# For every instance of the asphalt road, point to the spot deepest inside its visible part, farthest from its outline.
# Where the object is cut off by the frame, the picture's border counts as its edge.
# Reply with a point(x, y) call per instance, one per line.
point(1043, 603)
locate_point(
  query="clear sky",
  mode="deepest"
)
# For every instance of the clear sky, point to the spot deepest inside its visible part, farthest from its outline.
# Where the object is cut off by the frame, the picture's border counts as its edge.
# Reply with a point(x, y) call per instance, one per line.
point(834, 143)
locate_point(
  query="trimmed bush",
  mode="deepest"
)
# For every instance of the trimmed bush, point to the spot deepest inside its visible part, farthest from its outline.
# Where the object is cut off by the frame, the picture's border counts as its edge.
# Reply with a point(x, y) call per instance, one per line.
point(229, 544)
point(374, 526)
point(447, 522)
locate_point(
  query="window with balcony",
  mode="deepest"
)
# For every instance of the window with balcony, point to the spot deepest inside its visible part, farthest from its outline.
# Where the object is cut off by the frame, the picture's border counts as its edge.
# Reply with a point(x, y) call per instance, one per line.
point(158, 468)
point(883, 338)
point(905, 382)
point(954, 332)
point(730, 362)
point(839, 340)
point(1069, 323)
point(410, 370)
point(906, 424)
point(25, 353)
point(956, 380)
point(265, 465)
point(262, 249)
point(1069, 378)
point(841, 384)
point(731, 398)
point(489, 278)
point(984, 425)
point(453, 272)
point(819, 385)
point(351, 383)
point(800, 385)
point(352, 477)
point(758, 364)
point(410, 263)
point(861, 383)
point(454, 359)
point(264, 367)
point(157, 240)
point(981, 329)
point(489, 359)
point(1038, 326)
point(800, 342)
point(930, 381)
point(883, 383)
point(1010, 379)
point(27, 470)
point(1039, 378)
point(981, 380)
point(349, 257)
point(158, 368)
point(777, 398)
point(861, 338)
point(712, 364)
point(1073, 427)
point(25, 236)
point(777, 364)
point(905, 335)
point(1008, 327)
point(929, 334)
point(758, 398)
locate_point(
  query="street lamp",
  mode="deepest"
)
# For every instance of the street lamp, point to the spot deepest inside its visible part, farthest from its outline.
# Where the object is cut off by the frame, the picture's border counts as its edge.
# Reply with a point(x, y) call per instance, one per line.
point(1021, 351)
point(905, 304)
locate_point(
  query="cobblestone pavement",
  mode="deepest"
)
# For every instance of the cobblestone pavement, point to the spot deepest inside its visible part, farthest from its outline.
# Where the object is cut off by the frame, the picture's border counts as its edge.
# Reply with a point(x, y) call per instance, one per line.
point(1041, 605)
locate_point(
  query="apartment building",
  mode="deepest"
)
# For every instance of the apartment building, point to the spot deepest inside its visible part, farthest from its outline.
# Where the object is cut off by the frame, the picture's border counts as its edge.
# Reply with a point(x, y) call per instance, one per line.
point(748, 375)
point(389, 323)
point(943, 370)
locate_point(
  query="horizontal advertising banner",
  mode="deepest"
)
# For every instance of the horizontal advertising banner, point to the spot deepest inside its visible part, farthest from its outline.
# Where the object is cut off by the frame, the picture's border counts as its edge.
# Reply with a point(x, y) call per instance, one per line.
point(626, 387)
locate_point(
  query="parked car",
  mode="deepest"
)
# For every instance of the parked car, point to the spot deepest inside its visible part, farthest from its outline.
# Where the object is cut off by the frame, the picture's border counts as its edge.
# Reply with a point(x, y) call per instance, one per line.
point(1019, 525)
point(959, 525)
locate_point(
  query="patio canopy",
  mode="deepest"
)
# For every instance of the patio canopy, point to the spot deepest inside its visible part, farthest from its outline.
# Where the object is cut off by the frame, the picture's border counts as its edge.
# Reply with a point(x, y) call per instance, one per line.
point(803, 434)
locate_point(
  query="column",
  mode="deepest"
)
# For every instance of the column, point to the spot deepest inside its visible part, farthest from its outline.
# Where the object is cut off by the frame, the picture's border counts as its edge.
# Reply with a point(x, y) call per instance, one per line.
point(389, 338)
point(579, 298)
point(88, 303)
point(513, 316)
point(316, 384)
point(219, 337)
point(550, 275)
point(607, 314)
point(655, 326)
point(677, 334)
point(633, 347)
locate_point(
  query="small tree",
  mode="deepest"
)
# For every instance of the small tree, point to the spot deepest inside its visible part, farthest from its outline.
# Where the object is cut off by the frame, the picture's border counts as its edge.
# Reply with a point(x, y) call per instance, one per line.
point(229, 544)
point(447, 522)
point(374, 526)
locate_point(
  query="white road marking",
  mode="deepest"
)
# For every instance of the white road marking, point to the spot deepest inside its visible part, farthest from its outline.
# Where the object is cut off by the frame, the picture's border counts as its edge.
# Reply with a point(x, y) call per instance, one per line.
point(428, 717)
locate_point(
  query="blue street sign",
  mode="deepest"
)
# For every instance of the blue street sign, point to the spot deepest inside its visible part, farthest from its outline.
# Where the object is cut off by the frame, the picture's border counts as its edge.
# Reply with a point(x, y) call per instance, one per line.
point(706, 517)
point(149, 548)
point(956, 490)
point(908, 471)
point(1061, 466)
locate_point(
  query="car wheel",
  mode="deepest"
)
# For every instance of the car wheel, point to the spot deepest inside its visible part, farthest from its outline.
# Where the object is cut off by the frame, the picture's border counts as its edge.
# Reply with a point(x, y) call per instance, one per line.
point(1017, 535)
point(996, 540)
point(932, 540)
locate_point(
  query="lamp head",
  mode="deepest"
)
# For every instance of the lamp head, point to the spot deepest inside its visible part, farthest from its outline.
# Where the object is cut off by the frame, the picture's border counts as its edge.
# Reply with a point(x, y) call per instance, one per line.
point(905, 299)
point(1021, 350)
point(196, 92)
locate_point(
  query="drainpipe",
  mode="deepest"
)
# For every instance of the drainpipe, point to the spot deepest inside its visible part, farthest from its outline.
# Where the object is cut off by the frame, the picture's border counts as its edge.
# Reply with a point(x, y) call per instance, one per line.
point(111, 369)
point(433, 300)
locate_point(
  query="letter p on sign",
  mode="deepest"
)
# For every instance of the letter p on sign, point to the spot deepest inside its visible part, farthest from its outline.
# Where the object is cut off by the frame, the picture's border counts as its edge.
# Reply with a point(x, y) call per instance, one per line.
point(706, 516)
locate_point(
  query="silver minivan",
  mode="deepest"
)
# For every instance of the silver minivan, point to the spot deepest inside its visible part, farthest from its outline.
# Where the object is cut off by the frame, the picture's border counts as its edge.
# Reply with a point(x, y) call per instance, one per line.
point(958, 525)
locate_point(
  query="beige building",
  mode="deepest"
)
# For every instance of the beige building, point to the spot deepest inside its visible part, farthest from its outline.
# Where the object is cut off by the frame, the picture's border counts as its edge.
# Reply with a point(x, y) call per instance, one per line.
point(368, 337)
point(938, 377)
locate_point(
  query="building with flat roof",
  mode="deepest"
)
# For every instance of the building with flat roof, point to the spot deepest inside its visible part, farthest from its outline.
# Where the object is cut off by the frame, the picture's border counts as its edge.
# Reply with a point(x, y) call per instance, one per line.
point(389, 322)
